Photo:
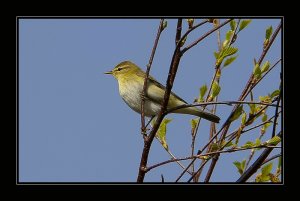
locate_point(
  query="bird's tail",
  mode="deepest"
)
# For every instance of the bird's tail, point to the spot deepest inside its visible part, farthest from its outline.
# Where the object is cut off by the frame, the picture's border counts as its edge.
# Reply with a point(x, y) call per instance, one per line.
point(197, 112)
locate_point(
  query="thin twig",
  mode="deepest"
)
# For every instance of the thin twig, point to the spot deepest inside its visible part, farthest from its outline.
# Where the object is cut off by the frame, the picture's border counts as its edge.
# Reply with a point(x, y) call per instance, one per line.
point(191, 29)
point(271, 158)
point(218, 35)
point(219, 103)
point(208, 154)
point(159, 31)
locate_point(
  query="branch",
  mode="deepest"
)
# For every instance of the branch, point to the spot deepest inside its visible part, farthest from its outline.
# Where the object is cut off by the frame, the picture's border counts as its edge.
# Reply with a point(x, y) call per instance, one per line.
point(220, 103)
point(191, 29)
point(204, 36)
point(256, 165)
point(271, 158)
point(159, 31)
point(178, 32)
point(169, 84)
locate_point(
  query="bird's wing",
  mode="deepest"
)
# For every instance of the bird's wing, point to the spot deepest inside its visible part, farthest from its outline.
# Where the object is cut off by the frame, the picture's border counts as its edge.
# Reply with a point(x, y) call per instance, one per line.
point(156, 91)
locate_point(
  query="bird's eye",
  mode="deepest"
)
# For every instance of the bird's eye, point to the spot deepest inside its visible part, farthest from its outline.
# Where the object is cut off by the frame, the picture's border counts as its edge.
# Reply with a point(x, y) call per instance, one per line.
point(119, 69)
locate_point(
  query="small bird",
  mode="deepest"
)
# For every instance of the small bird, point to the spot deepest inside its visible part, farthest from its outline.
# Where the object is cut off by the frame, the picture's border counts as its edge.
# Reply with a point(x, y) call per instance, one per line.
point(131, 81)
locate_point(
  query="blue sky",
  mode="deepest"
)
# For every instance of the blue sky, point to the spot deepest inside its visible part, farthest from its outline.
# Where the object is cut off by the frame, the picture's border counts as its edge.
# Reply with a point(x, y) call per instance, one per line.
point(73, 125)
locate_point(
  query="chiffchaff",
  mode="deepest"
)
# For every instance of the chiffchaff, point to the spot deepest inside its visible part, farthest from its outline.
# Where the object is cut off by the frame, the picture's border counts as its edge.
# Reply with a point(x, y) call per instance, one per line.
point(131, 81)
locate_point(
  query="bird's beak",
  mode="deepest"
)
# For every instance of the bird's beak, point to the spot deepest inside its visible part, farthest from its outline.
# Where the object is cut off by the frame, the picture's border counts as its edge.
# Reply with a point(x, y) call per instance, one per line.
point(109, 72)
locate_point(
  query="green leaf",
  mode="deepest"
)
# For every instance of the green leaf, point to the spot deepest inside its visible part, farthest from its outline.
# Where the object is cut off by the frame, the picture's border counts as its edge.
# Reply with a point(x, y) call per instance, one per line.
point(229, 34)
point(161, 133)
point(266, 43)
point(214, 147)
point(258, 178)
point(257, 142)
point(262, 178)
point(243, 163)
point(269, 31)
point(244, 118)
point(232, 25)
point(225, 52)
point(229, 51)
point(190, 22)
point(257, 71)
point(252, 108)
point(215, 89)
point(225, 43)
point(266, 170)
point(194, 123)
point(227, 145)
point(265, 67)
point(216, 54)
point(248, 144)
point(275, 93)
point(238, 135)
point(240, 166)
point(165, 24)
point(264, 118)
point(264, 128)
point(244, 24)
point(238, 112)
point(265, 178)
point(229, 60)
point(265, 99)
point(273, 141)
point(203, 90)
